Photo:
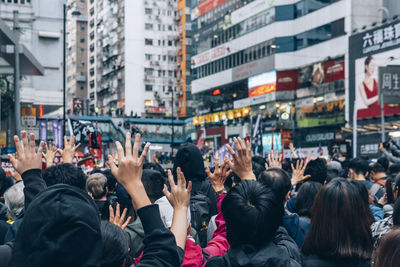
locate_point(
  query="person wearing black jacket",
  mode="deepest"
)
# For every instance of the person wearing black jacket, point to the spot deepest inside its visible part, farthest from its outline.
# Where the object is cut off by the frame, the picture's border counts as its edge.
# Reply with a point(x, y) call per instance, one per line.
point(253, 213)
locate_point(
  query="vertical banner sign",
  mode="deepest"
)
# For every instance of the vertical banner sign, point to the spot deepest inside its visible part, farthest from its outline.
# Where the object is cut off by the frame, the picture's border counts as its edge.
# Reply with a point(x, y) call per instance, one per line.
point(54, 125)
point(60, 133)
point(389, 81)
point(43, 130)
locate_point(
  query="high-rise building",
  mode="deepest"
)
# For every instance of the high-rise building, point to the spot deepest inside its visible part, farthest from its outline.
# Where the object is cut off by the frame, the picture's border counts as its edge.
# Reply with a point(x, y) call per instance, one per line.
point(273, 63)
point(41, 24)
point(76, 57)
point(132, 57)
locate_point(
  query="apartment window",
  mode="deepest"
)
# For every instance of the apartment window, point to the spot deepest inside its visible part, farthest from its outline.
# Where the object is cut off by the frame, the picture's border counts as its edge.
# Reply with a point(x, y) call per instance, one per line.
point(82, 40)
point(159, 43)
point(91, 71)
point(148, 71)
point(91, 11)
point(170, 27)
point(82, 27)
point(148, 41)
point(148, 26)
point(91, 98)
point(148, 11)
point(169, 43)
point(170, 73)
point(82, 64)
point(82, 87)
point(149, 87)
point(148, 56)
point(82, 50)
point(159, 73)
point(164, 58)
point(92, 84)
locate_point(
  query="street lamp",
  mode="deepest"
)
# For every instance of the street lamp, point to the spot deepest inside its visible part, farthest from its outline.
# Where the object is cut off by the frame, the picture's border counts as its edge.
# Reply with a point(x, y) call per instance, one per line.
point(172, 120)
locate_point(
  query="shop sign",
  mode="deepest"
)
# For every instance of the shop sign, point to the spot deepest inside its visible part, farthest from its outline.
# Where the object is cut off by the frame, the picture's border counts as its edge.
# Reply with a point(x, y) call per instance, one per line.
point(390, 84)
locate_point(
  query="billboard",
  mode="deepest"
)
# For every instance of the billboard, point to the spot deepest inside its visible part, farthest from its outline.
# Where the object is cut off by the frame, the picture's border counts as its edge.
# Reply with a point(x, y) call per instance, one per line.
point(369, 50)
point(262, 84)
point(267, 141)
point(205, 6)
point(389, 78)
point(250, 10)
point(325, 113)
point(320, 73)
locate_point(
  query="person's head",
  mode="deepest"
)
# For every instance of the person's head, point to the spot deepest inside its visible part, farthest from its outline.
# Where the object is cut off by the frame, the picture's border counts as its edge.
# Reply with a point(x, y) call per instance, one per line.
point(305, 198)
point(388, 252)
point(340, 222)
point(377, 171)
point(259, 160)
point(115, 245)
point(252, 213)
point(257, 168)
point(111, 180)
point(156, 167)
point(153, 183)
point(334, 170)
point(96, 186)
point(167, 213)
point(358, 167)
point(278, 180)
point(191, 162)
point(394, 169)
point(369, 66)
point(317, 170)
point(65, 173)
point(5, 182)
point(384, 162)
point(14, 200)
point(64, 223)
point(392, 187)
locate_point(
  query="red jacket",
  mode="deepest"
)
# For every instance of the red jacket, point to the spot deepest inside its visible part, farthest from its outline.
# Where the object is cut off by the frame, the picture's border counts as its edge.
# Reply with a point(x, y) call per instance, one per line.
point(195, 256)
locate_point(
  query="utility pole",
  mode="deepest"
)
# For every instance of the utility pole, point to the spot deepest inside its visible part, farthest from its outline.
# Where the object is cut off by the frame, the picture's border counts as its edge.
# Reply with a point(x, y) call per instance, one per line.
point(64, 63)
point(17, 104)
point(172, 122)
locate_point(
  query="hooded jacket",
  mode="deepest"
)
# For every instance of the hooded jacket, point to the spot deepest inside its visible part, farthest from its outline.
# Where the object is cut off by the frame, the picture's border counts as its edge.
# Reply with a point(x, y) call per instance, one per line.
point(281, 251)
point(61, 227)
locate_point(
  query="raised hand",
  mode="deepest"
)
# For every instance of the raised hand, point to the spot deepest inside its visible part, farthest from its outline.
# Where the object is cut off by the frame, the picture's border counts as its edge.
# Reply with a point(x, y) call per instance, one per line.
point(179, 197)
point(241, 164)
point(130, 168)
point(119, 219)
point(220, 174)
point(69, 150)
point(50, 154)
point(298, 172)
point(17, 177)
point(273, 160)
point(27, 158)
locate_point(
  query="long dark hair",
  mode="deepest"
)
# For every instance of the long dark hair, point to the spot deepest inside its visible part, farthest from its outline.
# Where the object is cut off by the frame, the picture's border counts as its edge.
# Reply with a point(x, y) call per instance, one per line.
point(388, 253)
point(367, 61)
point(340, 222)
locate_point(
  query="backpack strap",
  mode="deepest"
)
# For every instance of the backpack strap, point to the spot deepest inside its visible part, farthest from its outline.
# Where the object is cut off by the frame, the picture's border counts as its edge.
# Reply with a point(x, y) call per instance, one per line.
point(382, 182)
point(374, 189)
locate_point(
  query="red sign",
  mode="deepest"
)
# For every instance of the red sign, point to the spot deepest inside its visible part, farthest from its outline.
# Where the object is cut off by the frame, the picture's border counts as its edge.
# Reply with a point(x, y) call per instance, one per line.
point(286, 80)
point(334, 71)
point(156, 109)
point(208, 5)
point(216, 92)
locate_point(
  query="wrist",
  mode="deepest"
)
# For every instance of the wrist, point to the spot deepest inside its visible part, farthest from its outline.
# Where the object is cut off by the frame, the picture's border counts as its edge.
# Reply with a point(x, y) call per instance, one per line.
point(248, 176)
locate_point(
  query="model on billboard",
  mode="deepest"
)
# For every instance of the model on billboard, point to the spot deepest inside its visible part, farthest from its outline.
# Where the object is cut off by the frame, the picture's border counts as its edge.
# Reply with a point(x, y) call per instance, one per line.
point(368, 89)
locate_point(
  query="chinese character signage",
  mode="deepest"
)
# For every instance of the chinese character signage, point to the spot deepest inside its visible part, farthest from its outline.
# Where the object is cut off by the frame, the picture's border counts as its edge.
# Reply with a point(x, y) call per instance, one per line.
point(389, 78)
point(369, 51)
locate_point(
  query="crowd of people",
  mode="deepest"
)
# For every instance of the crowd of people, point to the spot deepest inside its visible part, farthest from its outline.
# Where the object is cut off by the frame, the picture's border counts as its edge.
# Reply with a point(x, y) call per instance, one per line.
point(246, 211)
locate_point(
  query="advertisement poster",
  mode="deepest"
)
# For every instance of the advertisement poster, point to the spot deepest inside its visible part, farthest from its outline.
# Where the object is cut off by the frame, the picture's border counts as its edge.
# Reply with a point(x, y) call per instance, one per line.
point(369, 50)
point(43, 130)
point(262, 84)
point(367, 85)
point(267, 142)
point(325, 113)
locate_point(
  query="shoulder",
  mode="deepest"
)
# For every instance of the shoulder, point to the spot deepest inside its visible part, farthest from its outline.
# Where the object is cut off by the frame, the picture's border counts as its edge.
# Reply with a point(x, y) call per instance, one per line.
point(216, 262)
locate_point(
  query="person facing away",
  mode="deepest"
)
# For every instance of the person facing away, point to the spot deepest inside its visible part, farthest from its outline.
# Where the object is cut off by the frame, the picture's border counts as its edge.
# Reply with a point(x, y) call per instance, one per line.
point(253, 214)
point(388, 253)
point(96, 186)
point(340, 233)
point(279, 181)
point(358, 170)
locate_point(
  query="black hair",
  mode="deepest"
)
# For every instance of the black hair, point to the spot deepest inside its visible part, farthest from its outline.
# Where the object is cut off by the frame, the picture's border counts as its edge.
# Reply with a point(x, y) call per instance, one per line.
point(252, 214)
point(257, 169)
point(231, 180)
point(153, 183)
point(305, 198)
point(340, 222)
point(5, 182)
point(394, 169)
point(359, 166)
point(317, 170)
point(377, 168)
point(367, 61)
point(156, 167)
point(259, 160)
point(65, 173)
point(111, 180)
point(396, 212)
point(115, 245)
point(278, 180)
point(384, 162)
